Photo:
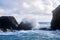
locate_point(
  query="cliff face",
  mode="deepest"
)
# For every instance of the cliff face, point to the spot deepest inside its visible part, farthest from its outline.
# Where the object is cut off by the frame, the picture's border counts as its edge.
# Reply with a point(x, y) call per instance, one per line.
point(8, 22)
point(55, 23)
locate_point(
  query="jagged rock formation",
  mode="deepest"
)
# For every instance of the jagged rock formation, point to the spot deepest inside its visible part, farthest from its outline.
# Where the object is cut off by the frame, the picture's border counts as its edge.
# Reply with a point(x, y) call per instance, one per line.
point(8, 22)
point(55, 23)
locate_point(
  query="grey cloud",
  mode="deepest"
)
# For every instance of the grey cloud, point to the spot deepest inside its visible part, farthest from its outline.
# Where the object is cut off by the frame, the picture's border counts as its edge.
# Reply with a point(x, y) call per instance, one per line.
point(24, 7)
point(16, 6)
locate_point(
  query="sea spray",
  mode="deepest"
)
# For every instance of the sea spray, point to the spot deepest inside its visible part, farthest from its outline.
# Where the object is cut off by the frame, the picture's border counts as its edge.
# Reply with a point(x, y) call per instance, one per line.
point(30, 22)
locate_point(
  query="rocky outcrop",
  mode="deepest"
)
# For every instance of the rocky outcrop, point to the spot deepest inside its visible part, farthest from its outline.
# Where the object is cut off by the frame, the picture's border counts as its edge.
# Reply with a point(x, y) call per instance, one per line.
point(8, 22)
point(55, 23)
point(25, 25)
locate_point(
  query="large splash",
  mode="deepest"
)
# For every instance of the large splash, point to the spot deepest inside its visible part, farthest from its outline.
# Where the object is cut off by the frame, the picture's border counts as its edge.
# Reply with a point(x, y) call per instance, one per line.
point(32, 21)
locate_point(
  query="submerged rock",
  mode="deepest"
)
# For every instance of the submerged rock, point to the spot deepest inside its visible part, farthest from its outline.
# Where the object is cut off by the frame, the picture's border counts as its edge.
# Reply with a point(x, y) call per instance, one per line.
point(8, 22)
point(55, 23)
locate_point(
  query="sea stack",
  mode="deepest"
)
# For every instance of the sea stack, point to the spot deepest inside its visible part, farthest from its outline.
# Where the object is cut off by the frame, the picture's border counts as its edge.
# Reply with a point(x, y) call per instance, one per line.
point(55, 23)
point(8, 22)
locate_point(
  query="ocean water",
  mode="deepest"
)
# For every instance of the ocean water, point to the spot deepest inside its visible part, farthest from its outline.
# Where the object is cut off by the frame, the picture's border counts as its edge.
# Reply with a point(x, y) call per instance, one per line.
point(31, 35)
point(44, 24)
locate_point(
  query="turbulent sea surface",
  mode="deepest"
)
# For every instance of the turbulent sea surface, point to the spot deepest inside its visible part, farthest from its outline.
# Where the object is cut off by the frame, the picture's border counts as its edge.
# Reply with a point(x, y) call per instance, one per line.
point(31, 35)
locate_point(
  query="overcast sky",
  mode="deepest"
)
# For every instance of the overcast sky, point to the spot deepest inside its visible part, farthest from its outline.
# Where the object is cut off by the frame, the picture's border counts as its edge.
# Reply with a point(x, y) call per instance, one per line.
point(38, 9)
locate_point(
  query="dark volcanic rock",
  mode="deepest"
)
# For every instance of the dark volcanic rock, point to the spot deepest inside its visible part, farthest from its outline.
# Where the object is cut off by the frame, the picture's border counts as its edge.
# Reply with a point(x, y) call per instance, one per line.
point(25, 26)
point(55, 23)
point(8, 22)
